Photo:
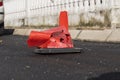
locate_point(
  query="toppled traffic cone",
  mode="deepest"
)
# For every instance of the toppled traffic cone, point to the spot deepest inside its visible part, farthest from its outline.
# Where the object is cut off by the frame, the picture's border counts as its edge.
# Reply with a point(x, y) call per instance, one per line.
point(55, 40)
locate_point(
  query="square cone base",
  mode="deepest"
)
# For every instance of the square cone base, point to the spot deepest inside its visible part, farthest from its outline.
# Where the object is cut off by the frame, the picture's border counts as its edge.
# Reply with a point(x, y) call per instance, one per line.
point(57, 50)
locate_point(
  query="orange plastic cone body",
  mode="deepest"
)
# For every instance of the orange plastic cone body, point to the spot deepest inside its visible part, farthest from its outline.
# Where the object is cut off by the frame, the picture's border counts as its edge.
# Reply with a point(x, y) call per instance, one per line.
point(38, 38)
point(63, 19)
point(57, 37)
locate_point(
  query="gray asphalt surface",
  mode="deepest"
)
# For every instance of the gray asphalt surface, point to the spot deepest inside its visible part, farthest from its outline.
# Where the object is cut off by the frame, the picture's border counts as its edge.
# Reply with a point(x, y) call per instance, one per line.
point(99, 61)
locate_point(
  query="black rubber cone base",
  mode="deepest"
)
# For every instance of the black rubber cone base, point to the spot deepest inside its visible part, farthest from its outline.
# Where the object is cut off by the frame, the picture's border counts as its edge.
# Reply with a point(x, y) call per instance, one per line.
point(57, 50)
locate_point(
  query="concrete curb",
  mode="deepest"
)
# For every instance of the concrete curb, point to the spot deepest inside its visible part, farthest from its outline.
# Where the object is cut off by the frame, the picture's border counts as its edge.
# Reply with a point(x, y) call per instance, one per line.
point(115, 36)
point(20, 32)
point(75, 33)
point(84, 35)
point(94, 35)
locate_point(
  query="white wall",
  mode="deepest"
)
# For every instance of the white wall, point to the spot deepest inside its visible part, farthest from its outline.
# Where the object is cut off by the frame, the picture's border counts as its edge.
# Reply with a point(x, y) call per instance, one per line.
point(45, 12)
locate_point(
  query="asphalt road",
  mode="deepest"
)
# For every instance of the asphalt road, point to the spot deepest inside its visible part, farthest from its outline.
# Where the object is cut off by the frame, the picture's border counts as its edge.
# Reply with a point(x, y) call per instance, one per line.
point(99, 61)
